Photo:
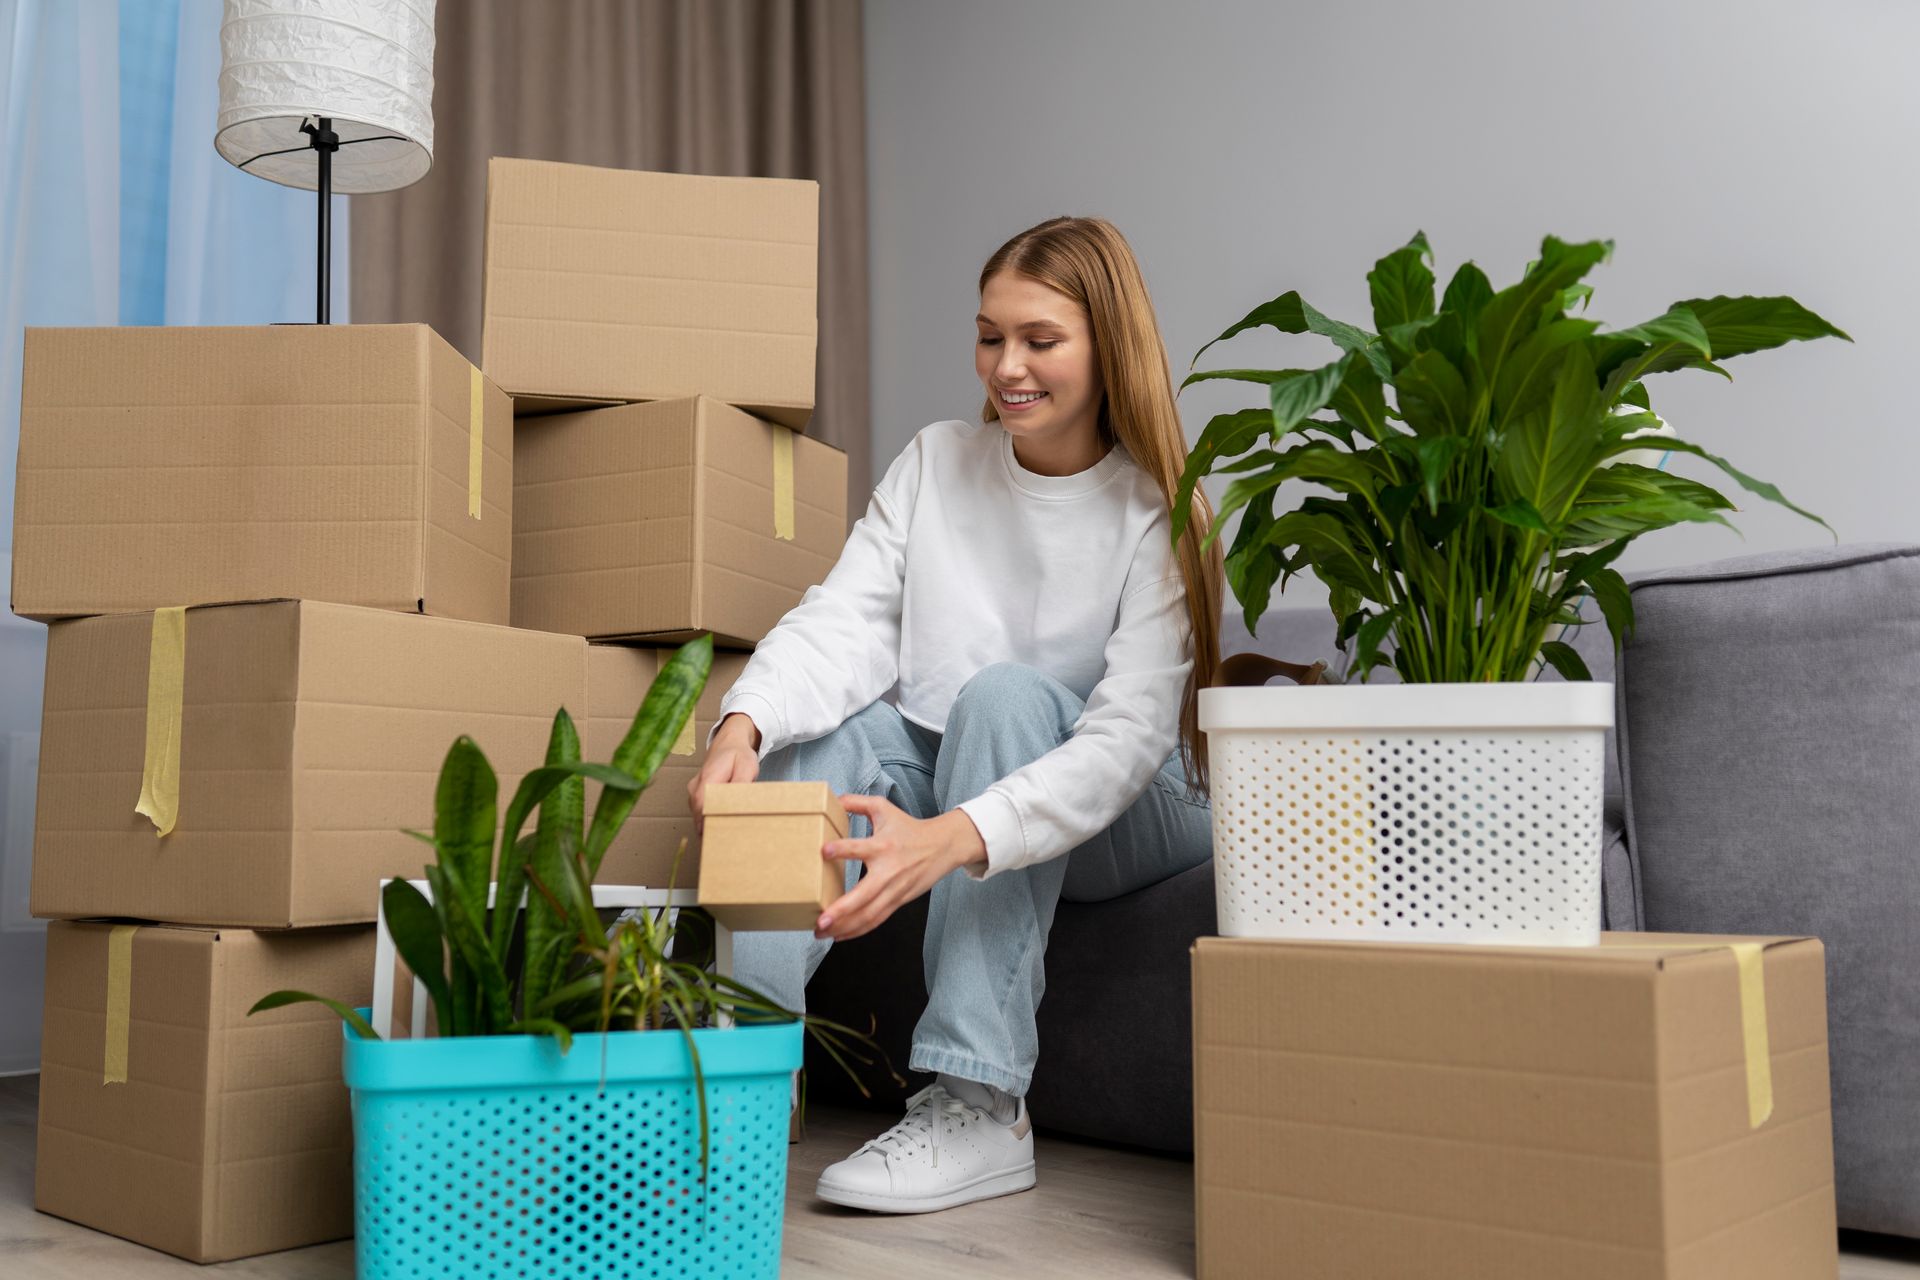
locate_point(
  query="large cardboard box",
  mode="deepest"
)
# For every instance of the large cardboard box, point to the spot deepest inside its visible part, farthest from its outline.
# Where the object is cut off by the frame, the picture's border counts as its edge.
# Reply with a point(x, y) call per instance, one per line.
point(309, 736)
point(617, 682)
point(613, 285)
point(169, 1117)
point(762, 868)
point(361, 464)
point(660, 521)
point(1485, 1113)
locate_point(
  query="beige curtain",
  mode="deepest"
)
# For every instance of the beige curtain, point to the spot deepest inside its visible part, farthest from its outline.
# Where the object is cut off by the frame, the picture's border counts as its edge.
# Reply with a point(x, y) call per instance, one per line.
point(762, 88)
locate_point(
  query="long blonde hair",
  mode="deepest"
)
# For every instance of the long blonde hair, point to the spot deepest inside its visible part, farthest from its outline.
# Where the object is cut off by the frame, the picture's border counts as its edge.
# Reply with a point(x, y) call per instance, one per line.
point(1088, 260)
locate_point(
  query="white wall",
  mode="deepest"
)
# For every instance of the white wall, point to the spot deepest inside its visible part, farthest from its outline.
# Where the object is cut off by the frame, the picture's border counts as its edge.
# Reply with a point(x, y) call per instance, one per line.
point(1246, 147)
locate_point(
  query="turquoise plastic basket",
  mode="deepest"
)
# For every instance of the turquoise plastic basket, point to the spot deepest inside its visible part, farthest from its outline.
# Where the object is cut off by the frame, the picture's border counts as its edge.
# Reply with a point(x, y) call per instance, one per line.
point(497, 1156)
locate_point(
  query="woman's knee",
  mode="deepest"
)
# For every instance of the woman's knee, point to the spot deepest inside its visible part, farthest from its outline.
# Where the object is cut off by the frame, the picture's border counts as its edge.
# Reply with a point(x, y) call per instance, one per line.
point(1012, 689)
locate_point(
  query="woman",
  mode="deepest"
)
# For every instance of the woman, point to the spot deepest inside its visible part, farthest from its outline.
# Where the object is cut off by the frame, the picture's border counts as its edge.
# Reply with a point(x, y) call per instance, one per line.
point(996, 674)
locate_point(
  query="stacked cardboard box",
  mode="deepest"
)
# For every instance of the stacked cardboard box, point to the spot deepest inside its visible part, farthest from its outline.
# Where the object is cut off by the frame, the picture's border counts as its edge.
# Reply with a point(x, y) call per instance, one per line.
point(1655, 1107)
point(277, 565)
point(657, 334)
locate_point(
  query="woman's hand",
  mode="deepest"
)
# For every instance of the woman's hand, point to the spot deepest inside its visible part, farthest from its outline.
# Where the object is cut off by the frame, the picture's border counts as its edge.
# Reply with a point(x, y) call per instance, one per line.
point(734, 756)
point(905, 857)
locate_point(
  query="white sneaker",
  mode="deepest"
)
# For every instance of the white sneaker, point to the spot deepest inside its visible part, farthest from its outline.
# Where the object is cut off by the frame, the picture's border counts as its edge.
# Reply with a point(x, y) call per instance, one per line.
point(946, 1152)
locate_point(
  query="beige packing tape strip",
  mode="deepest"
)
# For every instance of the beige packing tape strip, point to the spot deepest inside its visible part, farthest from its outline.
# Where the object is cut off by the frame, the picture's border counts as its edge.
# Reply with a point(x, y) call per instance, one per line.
point(476, 438)
point(783, 483)
point(1750, 961)
point(119, 1002)
point(166, 682)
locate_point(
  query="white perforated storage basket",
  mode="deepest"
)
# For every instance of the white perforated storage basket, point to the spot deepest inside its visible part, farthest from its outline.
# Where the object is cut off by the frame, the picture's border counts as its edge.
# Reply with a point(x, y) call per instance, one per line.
point(1417, 813)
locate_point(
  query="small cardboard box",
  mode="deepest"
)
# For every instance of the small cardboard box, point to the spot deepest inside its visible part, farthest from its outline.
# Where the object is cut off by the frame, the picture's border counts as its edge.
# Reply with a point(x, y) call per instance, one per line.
point(1655, 1108)
point(169, 1117)
point(308, 737)
point(760, 865)
point(608, 285)
point(617, 682)
point(661, 521)
point(361, 464)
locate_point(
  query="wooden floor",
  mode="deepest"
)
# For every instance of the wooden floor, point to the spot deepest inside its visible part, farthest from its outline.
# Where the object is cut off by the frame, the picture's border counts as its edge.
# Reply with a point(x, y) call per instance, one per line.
point(1097, 1212)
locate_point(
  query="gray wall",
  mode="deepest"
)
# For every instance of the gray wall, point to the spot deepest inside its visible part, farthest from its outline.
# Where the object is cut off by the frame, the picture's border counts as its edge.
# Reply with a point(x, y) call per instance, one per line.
point(1249, 147)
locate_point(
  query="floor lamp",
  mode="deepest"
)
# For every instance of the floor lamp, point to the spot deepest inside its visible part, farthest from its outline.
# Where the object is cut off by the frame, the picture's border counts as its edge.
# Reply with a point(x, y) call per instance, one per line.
point(327, 95)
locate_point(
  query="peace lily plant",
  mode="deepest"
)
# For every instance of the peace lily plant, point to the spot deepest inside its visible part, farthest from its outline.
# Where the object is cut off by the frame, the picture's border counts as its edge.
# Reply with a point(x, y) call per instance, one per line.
point(1474, 451)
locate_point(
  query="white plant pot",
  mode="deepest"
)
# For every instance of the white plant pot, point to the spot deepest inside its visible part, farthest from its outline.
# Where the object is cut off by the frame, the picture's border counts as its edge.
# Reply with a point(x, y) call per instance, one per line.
point(1465, 813)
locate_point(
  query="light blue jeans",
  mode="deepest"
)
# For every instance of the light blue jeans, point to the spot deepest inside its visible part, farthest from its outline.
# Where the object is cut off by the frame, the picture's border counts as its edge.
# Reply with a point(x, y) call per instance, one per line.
point(986, 939)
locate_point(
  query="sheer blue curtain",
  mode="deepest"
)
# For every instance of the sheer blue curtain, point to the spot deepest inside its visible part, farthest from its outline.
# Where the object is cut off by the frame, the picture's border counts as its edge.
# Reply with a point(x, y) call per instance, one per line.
point(114, 209)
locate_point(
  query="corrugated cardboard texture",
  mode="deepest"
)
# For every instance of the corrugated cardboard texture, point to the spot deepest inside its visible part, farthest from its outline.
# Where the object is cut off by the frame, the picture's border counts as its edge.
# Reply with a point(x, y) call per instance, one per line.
point(184, 466)
point(761, 867)
point(231, 1135)
point(655, 521)
point(311, 734)
point(611, 284)
point(617, 682)
point(1489, 1113)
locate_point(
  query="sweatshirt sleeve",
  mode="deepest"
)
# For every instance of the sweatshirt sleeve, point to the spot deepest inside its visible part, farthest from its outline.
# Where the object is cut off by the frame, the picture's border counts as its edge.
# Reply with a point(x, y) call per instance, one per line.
point(1122, 738)
point(838, 650)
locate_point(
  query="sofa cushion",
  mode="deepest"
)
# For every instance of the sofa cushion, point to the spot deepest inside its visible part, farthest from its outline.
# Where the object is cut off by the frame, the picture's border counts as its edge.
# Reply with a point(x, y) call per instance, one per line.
point(1770, 725)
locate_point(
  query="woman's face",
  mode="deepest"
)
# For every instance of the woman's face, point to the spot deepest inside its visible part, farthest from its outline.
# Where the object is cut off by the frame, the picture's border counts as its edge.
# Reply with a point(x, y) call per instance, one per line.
point(1034, 355)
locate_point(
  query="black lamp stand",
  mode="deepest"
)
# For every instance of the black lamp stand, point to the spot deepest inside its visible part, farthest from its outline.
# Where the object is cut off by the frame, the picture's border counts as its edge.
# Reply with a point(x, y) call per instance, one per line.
point(325, 141)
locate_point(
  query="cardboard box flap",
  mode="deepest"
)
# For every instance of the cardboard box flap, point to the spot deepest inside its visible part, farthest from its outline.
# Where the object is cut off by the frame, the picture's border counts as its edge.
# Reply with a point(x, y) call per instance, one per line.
point(777, 798)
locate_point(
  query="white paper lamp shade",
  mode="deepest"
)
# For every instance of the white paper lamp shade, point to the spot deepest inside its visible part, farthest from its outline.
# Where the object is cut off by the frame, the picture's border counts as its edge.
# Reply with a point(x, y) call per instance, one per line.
point(366, 64)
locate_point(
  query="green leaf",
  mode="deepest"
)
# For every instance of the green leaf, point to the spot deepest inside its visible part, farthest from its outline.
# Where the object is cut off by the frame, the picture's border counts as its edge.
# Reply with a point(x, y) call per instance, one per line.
point(1625, 481)
point(1367, 641)
point(1437, 455)
point(463, 931)
point(1547, 453)
point(1263, 377)
point(1433, 396)
point(348, 1014)
point(533, 790)
point(1360, 402)
point(1565, 660)
point(1608, 522)
point(1401, 285)
point(464, 816)
point(1521, 515)
point(1739, 326)
point(1515, 312)
point(1298, 397)
point(415, 929)
point(1635, 393)
point(1674, 340)
point(1745, 481)
point(557, 834)
point(1289, 313)
point(1316, 460)
point(1609, 589)
point(1227, 435)
point(1467, 295)
point(669, 703)
point(1526, 377)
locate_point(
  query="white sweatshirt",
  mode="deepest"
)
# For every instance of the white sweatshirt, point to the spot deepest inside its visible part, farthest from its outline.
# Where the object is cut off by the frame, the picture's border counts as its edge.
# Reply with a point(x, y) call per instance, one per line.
point(964, 559)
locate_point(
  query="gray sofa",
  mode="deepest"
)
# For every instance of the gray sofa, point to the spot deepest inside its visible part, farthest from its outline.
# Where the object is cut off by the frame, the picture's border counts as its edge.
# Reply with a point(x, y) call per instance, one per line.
point(1765, 778)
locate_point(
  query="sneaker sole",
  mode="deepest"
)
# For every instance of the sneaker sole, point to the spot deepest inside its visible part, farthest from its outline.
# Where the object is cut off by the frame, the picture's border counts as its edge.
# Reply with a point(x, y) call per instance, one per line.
point(1004, 1183)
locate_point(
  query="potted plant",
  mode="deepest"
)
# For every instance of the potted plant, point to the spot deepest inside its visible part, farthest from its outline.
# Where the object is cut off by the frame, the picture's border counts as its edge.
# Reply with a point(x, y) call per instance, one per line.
point(581, 1108)
point(1474, 453)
